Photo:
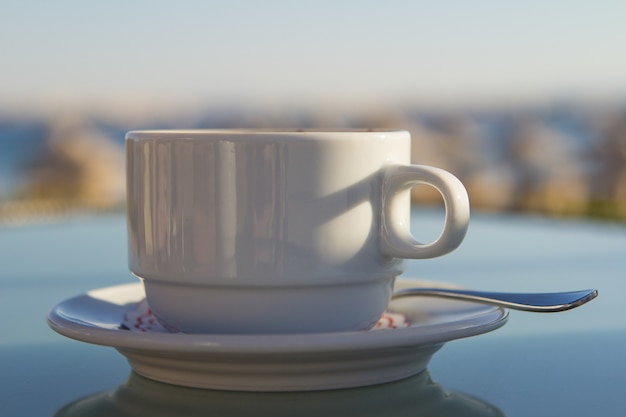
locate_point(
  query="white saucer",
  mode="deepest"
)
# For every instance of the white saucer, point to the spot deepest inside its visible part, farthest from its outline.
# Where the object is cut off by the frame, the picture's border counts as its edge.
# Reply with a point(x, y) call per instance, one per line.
point(293, 362)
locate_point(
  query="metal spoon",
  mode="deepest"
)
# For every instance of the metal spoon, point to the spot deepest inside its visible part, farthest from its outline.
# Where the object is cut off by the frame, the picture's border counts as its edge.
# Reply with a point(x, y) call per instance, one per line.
point(537, 302)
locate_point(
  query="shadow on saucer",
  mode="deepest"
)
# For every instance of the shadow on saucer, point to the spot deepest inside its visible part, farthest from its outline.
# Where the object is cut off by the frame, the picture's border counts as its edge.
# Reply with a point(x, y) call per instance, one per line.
point(417, 395)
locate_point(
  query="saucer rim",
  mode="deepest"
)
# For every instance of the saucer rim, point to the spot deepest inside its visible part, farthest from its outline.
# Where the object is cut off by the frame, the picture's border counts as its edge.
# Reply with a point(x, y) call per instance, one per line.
point(483, 319)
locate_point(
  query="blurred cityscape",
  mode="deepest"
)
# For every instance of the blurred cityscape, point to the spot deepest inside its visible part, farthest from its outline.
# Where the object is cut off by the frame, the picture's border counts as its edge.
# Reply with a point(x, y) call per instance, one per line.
point(559, 160)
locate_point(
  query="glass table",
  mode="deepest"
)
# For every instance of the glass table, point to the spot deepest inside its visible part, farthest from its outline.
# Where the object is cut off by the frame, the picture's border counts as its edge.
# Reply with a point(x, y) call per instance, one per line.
point(571, 363)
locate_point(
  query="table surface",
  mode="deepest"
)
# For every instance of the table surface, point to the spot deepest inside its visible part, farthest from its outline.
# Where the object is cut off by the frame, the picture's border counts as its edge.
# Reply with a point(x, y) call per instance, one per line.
point(571, 363)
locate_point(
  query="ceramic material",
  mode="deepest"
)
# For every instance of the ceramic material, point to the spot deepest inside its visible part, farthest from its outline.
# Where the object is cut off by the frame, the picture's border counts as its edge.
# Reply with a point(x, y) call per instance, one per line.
point(142, 319)
point(278, 231)
point(288, 362)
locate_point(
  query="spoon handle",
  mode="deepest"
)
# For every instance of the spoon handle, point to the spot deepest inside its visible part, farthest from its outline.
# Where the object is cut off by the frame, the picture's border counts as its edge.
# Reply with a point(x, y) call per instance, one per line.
point(536, 302)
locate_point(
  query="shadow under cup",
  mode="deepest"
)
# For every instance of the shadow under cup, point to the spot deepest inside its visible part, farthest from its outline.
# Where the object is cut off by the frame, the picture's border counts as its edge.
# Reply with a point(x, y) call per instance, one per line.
point(276, 232)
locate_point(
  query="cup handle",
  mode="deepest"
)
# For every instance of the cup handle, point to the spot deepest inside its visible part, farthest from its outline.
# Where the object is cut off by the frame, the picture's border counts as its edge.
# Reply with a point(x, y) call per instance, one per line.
point(396, 238)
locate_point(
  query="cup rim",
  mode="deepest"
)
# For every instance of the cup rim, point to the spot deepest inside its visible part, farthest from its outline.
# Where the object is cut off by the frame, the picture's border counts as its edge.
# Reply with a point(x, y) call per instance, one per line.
point(156, 134)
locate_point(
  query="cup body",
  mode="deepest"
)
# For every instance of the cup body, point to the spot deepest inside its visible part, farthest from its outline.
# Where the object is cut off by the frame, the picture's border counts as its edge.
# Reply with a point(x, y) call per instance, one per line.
point(264, 232)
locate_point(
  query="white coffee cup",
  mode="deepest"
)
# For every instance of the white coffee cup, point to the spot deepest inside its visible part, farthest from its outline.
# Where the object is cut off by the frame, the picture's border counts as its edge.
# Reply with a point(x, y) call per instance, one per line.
point(244, 231)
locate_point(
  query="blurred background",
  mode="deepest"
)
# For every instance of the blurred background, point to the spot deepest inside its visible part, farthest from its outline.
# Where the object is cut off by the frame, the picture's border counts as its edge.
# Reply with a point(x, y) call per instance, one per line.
point(525, 102)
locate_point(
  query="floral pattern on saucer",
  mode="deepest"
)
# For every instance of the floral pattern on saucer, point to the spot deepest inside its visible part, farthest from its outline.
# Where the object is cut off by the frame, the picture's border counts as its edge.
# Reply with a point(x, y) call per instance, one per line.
point(142, 319)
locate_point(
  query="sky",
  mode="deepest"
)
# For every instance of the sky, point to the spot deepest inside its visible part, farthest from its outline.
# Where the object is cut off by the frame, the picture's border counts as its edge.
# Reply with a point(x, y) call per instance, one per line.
point(149, 53)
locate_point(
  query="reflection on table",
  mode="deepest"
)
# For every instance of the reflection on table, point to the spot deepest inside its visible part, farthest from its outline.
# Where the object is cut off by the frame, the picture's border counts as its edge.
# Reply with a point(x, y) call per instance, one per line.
point(418, 395)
